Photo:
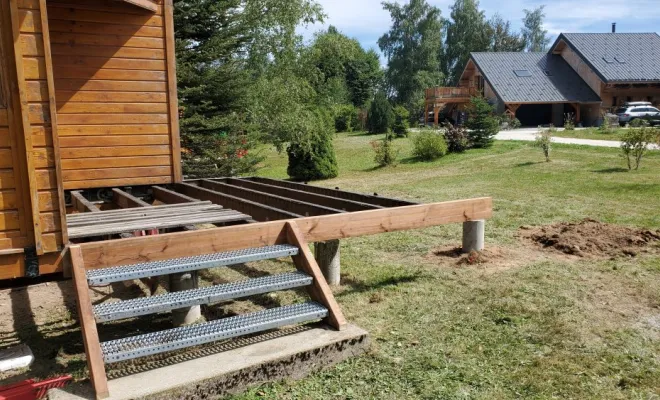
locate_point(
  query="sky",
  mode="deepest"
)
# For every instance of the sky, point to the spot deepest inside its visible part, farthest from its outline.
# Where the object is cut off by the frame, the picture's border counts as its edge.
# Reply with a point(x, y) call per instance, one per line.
point(366, 20)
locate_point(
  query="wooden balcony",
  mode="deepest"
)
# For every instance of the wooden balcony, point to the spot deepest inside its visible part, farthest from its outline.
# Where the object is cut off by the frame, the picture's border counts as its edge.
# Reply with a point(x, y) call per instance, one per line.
point(450, 94)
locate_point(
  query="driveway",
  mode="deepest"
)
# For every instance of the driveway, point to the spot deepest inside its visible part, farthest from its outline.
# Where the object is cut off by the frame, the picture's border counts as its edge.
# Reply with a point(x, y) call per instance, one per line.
point(529, 135)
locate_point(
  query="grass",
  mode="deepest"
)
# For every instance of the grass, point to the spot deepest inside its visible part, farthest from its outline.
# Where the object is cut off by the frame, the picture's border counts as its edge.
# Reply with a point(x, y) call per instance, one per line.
point(593, 134)
point(537, 327)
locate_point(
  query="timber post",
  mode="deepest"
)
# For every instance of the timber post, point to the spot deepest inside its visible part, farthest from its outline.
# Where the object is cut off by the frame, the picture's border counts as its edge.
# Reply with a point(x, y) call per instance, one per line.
point(180, 282)
point(328, 256)
point(474, 235)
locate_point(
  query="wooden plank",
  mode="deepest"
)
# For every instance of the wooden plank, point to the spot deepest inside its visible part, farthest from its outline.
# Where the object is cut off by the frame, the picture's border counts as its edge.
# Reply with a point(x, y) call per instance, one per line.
point(5, 158)
point(67, 96)
point(111, 130)
point(39, 113)
point(5, 138)
point(142, 212)
point(52, 106)
point(109, 86)
point(81, 204)
point(88, 325)
point(7, 180)
point(57, 26)
point(35, 67)
point(127, 200)
point(69, 154)
point(4, 118)
point(31, 44)
point(9, 220)
point(102, 51)
point(49, 200)
point(113, 108)
point(102, 183)
point(44, 157)
point(282, 203)
point(42, 137)
point(69, 72)
point(50, 222)
point(314, 229)
point(260, 212)
point(342, 194)
point(77, 39)
point(8, 199)
point(319, 291)
point(58, 12)
point(32, 181)
point(146, 4)
point(29, 4)
point(328, 201)
point(46, 178)
point(170, 196)
point(115, 162)
point(172, 90)
point(29, 20)
point(98, 141)
point(111, 6)
point(114, 173)
point(37, 90)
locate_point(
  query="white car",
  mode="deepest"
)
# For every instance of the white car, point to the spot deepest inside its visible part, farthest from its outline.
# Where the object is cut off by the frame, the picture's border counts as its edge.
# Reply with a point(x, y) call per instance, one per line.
point(638, 110)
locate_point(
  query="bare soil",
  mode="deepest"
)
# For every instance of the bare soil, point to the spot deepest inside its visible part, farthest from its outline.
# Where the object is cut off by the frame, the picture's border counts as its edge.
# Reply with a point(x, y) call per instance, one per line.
point(591, 238)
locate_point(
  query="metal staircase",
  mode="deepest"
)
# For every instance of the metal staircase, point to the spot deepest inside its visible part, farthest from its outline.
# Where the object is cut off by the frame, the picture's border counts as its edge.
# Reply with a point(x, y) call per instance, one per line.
point(308, 275)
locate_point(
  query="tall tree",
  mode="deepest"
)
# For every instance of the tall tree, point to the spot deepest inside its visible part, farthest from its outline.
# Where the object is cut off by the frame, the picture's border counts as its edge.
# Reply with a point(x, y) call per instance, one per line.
point(536, 38)
point(413, 47)
point(467, 31)
point(502, 37)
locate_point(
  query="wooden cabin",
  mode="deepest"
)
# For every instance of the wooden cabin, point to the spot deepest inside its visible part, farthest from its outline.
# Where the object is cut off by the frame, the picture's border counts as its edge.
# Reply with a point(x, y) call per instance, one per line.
point(88, 100)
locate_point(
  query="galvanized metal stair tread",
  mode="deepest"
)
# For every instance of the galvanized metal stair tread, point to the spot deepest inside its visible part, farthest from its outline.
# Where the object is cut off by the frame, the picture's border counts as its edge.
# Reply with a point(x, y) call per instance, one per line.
point(177, 265)
point(106, 312)
point(179, 338)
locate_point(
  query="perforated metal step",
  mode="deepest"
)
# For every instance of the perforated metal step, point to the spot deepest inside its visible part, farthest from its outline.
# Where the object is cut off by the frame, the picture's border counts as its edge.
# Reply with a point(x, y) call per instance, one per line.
point(179, 338)
point(156, 268)
point(171, 301)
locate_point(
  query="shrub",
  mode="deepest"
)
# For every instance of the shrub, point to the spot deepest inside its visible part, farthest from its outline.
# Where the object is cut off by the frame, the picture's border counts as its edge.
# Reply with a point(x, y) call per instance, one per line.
point(401, 121)
point(482, 123)
point(213, 155)
point(638, 123)
point(381, 115)
point(544, 140)
point(346, 118)
point(456, 138)
point(635, 143)
point(386, 152)
point(311, 153)
point(515, 123)
point(508, 121)
point(429, 145)
point(569, 121)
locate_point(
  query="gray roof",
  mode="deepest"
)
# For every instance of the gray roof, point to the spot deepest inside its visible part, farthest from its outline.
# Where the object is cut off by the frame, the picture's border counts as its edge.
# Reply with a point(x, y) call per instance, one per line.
point(563, 85)
point(640, 53)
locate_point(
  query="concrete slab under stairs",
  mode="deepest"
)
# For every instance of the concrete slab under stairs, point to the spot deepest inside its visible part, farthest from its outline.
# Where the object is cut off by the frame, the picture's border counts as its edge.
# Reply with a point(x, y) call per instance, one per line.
point(231, 367)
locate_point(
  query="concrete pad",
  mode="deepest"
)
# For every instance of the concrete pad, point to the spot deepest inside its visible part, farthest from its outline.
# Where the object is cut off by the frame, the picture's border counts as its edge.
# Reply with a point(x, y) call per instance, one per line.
point(264, 358)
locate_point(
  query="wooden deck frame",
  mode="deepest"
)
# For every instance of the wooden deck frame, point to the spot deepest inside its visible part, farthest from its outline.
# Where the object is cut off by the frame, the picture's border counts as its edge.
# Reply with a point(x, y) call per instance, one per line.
point(126, 200)
point(168, 196)
point(313, 229)
point(81, 204)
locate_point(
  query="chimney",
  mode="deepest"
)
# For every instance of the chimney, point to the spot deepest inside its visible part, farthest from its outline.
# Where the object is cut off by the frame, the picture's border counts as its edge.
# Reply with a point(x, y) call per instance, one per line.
point(613, 27)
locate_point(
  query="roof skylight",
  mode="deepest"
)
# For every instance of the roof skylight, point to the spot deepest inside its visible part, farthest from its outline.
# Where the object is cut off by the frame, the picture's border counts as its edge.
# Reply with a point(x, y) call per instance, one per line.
point(522, 73)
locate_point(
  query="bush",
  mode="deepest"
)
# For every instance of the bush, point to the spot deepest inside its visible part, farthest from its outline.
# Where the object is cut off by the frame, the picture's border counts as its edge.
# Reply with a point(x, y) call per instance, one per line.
point(482, 123)
point(401, 121)
point(638, 123)
point(311, 153)
point(510, 121)
point(381, 115)
point(346, 118)
point(429, 145)
point(635, 143)
point(456, 138)
point(569, 121)
point(213, 155)
point(544, 140)
point(386, 152)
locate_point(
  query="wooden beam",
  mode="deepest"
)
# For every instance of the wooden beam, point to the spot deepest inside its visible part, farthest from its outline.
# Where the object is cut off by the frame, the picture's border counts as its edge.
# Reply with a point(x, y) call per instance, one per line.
point(314, 229)
point(170, 196)
point(323, 200)
point(319, 291)
point(81, 204)
point(146, 4)
point(283, 203)
point(127, 200)
point(259, 212)
point(88, 325)
point(173, 102)
point(342, 194)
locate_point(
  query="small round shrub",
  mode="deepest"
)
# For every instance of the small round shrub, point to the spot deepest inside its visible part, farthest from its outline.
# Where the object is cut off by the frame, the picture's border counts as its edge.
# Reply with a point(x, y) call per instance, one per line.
point(401, 121)
point(385, 152)
point(457, 138)
point(381, 116)
point(429, 145)
point(312, 156)
point(346, 118)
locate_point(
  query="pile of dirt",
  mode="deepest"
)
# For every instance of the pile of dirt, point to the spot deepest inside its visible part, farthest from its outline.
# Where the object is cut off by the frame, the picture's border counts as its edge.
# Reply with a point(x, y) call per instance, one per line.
point(593, 238)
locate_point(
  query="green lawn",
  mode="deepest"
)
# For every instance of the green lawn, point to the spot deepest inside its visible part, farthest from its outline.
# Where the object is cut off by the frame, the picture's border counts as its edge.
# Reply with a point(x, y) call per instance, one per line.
point(532, 325)
point(593, 133)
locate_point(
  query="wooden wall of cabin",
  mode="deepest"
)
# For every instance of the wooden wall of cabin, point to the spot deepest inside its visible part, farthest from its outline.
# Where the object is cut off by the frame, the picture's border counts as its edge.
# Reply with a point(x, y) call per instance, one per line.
point(116, 93)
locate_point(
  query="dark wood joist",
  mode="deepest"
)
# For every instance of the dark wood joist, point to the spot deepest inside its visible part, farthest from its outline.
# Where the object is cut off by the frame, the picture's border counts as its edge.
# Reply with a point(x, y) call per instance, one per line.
point(168, 196)
point(283, 203)
point(342, 194)
point(81, 204)
point(259, 212)
point(313, 229)
point(127, 200)
point(320, 199)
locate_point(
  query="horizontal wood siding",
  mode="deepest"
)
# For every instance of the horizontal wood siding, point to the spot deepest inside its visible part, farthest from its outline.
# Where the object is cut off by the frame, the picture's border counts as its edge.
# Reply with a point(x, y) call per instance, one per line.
point(111, 80)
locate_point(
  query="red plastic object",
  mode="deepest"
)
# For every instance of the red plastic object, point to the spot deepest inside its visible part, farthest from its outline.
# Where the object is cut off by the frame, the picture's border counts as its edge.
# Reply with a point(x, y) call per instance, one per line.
point(32, 390)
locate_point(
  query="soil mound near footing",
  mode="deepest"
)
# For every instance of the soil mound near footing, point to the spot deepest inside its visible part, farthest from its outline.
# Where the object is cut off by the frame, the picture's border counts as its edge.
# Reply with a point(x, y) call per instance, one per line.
point(591, 238)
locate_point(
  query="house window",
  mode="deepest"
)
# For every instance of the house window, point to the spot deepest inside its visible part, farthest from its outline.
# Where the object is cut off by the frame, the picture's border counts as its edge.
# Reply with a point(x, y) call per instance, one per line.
point(480, 83)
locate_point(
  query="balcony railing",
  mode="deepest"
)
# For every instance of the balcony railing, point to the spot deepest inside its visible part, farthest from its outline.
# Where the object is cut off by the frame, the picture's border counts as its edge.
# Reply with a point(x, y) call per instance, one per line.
point(440, 93)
